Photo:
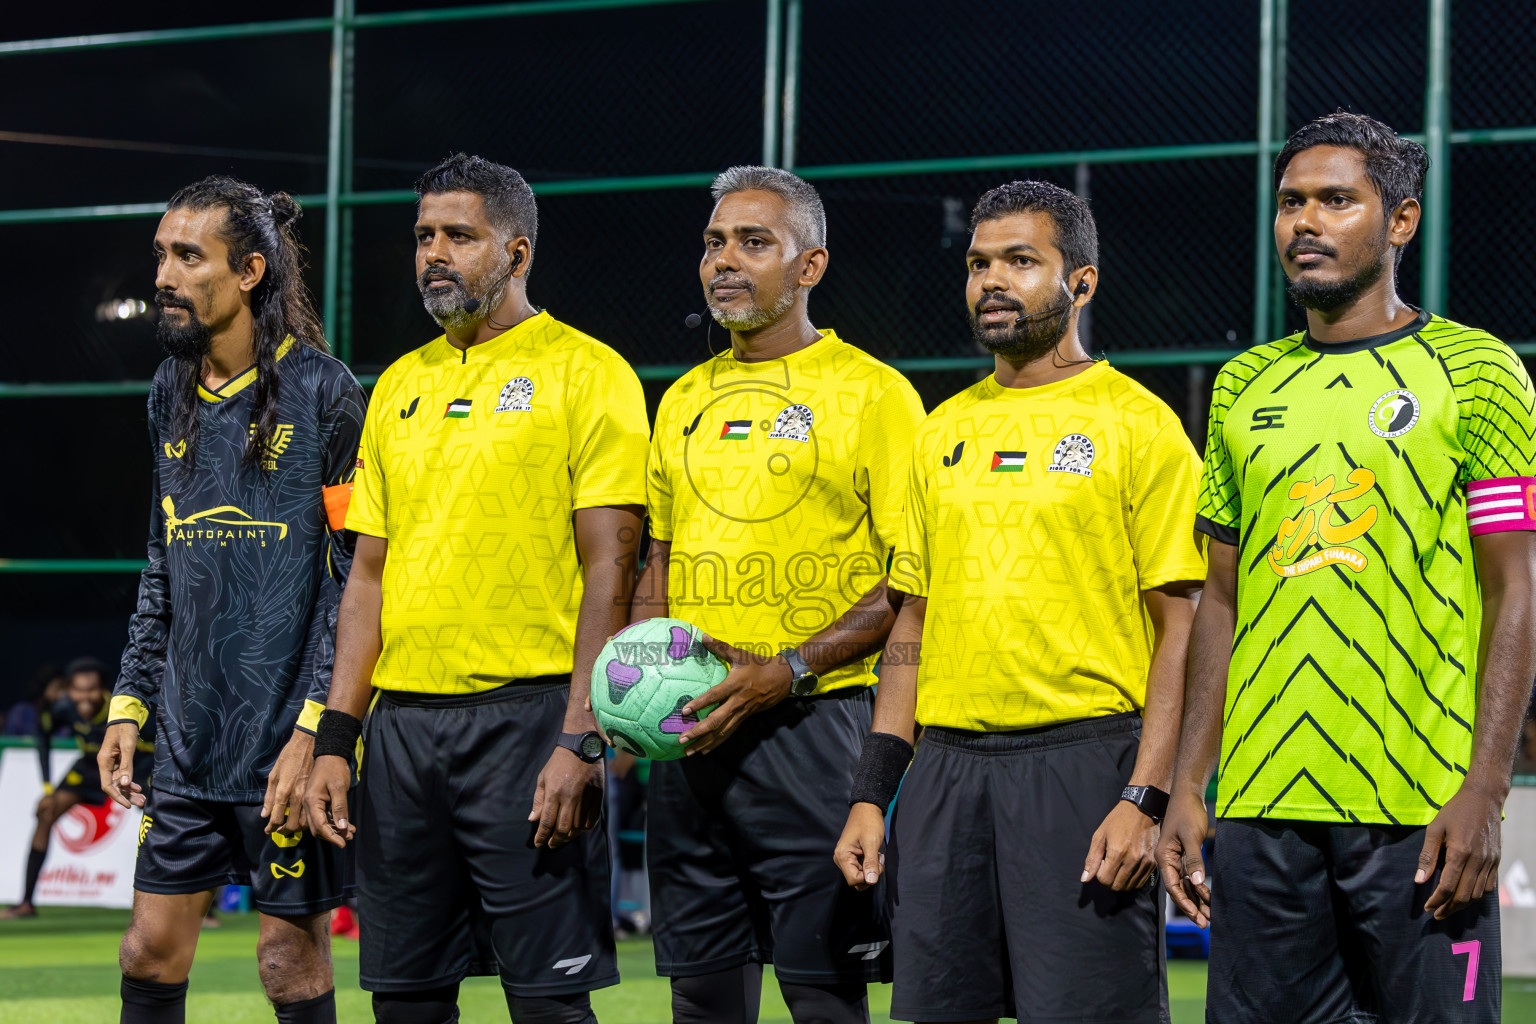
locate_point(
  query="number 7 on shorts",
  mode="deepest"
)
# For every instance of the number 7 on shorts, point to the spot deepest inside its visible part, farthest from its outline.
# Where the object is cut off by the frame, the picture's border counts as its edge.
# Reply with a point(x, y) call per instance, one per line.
point(1472, 948)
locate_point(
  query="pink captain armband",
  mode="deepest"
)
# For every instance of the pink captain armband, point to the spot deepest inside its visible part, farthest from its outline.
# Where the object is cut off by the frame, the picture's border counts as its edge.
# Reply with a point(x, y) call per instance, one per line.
point(1501, 505)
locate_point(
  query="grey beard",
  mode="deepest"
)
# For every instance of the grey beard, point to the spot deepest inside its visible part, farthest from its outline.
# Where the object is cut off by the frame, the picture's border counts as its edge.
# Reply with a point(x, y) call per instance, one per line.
point(447, 305)
point(755, 317)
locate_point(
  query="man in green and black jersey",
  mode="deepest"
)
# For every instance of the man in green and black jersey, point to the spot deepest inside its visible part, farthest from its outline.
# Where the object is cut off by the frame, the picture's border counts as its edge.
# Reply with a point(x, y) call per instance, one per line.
point(82, 710)
point(254, 433)
point(1363, 652)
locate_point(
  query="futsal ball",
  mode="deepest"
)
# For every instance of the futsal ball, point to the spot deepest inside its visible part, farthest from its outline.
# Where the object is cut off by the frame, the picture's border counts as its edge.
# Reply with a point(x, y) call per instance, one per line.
point(642, 679)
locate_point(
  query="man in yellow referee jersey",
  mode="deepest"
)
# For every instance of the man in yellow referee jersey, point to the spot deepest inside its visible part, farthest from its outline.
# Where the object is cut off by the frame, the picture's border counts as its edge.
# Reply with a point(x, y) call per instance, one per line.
point(1047, 560)
point(775, 486)
point(498, 505)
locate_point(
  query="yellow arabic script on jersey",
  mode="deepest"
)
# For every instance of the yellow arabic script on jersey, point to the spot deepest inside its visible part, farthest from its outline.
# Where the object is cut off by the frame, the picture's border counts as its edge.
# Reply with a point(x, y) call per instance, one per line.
point(1320, 522)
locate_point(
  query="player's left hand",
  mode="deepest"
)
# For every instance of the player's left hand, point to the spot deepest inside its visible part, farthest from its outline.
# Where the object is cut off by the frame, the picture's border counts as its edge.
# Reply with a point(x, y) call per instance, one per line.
point(1121, 853)
point(753, 684)
point(1468, 827)
point(569, 799)
point(283, 806)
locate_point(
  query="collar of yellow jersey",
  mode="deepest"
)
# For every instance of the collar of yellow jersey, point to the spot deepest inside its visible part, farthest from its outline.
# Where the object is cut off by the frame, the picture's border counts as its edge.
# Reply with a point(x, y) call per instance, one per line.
point(726, 370)
point(242, 378)
point(517, 334)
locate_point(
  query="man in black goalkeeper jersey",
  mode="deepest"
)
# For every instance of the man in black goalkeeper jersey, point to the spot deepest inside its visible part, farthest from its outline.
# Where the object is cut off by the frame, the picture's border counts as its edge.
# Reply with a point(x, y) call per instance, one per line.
point(254, 432)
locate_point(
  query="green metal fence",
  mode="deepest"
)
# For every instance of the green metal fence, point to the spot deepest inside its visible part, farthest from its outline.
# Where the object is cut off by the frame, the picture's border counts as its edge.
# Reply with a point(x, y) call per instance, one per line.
point(788, 30)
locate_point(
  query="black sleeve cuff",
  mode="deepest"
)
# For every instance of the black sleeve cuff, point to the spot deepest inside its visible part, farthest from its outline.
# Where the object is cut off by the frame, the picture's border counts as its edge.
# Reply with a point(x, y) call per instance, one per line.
point(1225, 534)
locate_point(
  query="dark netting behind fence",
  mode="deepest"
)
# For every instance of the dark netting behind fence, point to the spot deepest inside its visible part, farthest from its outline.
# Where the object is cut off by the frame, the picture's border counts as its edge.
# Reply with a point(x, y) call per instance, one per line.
point(975, 93)
point(887, 81)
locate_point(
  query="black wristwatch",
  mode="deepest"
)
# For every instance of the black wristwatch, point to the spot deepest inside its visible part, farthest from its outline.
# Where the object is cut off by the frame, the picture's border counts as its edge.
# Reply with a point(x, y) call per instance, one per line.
point(586, 745)
point(804, 682)
point(1151, 801)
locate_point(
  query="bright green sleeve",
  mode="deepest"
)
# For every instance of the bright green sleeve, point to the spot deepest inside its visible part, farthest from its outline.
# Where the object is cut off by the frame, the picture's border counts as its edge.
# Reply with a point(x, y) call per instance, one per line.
point(1499, 426)
point(1218, 512)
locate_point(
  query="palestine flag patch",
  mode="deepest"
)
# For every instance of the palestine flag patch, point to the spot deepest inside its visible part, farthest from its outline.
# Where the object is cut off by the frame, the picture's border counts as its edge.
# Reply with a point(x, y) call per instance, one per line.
point(458, 409)
point(1008, 462)
point(736, 430)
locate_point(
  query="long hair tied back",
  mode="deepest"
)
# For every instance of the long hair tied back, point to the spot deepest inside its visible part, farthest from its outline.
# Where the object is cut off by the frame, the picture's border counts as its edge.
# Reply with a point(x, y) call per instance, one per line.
point(280, 303)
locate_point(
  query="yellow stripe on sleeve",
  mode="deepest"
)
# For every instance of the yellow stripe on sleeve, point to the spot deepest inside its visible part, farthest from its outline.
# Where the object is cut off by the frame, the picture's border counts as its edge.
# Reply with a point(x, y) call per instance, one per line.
point(309, 718)
point(127, 709)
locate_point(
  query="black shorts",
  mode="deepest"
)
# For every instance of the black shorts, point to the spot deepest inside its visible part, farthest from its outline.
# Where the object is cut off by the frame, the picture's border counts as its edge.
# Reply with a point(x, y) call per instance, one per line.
point(1314, 923)
point(449, 881)
point(989, 919)
point(83, 780)
point(188, 845)
point(739, 847)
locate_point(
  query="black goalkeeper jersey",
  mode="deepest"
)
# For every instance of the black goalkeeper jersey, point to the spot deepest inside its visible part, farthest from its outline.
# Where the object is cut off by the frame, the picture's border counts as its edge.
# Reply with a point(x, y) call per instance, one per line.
point(233, 640)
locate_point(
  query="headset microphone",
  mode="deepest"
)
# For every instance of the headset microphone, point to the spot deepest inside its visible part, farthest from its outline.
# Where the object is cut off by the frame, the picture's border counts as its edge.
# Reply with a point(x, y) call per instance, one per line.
point(471, 305)
point(693, 320)
point(1061, 310)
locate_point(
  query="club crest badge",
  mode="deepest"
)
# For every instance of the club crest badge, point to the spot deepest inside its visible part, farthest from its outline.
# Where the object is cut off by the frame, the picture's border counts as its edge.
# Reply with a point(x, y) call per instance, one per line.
point(1074, 454)
point(517, 396)
point(793, 424)
point(1394, 414)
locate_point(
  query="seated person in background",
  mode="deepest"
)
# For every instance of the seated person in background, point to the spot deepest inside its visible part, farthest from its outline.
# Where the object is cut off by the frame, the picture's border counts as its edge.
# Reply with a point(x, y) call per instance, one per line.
point(81, 711)
point(41, 692)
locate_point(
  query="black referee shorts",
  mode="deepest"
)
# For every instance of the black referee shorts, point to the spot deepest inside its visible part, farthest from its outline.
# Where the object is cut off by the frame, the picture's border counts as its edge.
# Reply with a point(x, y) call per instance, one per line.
point(988, 917)
point(449, 881)
point(1314, 924)
point(739, 848)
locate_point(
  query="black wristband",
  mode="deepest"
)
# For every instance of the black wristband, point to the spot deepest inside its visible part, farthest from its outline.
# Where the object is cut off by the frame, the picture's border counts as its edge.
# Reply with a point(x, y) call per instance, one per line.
point(881, 767)
point(337, 734)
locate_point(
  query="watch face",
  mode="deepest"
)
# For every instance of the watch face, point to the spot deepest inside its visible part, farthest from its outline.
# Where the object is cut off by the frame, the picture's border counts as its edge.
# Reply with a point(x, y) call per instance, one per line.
point(591, 746)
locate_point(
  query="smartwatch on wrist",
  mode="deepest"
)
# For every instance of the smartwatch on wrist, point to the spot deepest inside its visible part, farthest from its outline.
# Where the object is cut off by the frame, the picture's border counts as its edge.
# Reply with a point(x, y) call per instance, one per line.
point(1150, 800)
point(804, 682)
point(586, 745)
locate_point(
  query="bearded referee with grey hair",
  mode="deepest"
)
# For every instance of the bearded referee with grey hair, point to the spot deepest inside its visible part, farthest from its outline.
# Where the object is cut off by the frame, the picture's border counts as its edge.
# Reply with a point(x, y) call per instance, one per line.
point(774, 488)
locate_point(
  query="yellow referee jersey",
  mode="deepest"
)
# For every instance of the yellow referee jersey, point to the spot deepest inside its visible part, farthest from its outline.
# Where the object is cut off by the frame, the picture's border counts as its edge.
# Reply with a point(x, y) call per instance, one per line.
point(1035, 519)
point(471, 465)
point(779, 485)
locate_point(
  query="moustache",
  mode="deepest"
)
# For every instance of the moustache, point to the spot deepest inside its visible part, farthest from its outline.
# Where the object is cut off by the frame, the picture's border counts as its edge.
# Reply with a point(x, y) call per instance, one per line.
point(1301, 245)
point(724, 280)
point(992, 302)
point(438, 274)
point(169, 300)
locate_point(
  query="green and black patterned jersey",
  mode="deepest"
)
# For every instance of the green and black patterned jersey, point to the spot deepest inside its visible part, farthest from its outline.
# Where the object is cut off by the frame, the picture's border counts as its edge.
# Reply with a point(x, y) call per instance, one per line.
point(1343, 473)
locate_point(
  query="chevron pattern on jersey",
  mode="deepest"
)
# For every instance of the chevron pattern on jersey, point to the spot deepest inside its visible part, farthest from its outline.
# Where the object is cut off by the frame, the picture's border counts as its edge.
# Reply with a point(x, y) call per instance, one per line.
point(1340, 474)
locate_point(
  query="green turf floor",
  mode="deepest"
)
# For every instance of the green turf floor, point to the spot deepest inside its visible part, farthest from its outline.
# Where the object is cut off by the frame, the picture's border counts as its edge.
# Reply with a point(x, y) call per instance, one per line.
point(61, 968)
